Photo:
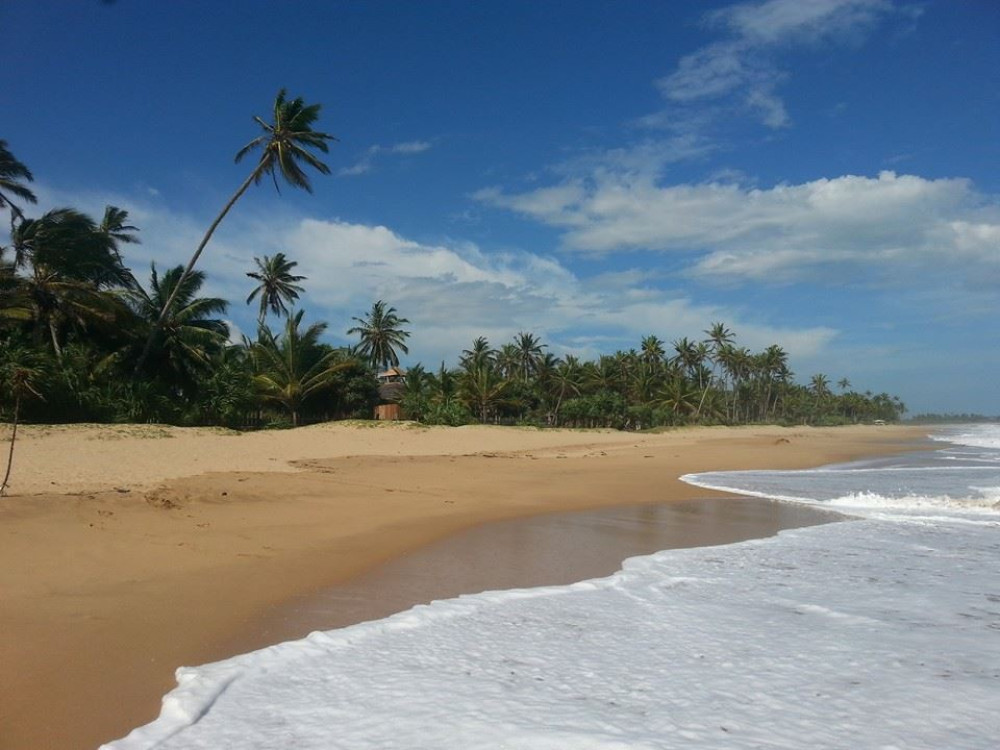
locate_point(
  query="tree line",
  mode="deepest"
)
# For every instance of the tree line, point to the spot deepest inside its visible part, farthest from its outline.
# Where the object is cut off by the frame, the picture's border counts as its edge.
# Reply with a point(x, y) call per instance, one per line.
point(82, 338)
point(710, 381)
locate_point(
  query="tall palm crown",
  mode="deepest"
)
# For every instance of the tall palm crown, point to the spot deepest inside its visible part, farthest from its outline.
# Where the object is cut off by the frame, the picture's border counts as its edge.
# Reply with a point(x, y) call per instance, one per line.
point(277, 284)
point(480, 355)
point(381, 335)
point(13, 174)
point(285, 142)
point(652, 350)
point(529, 353)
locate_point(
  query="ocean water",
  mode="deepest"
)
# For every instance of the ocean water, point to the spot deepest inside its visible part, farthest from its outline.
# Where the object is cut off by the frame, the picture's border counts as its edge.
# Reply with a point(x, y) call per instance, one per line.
point(878, 632)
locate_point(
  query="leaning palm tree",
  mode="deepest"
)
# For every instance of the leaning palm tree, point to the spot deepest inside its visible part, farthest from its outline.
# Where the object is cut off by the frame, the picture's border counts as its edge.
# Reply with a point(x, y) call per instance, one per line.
point(277, 285)
point(285, 142)
point(381, 335)
point(13, 174)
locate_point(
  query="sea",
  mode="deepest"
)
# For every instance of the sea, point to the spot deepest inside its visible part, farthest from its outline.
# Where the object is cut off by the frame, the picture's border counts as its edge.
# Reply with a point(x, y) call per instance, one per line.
point(878, 630)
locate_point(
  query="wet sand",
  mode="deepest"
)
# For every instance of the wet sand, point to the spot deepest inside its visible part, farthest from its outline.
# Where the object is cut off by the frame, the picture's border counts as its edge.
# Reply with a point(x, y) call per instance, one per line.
point(169, 547)
point(546, 550)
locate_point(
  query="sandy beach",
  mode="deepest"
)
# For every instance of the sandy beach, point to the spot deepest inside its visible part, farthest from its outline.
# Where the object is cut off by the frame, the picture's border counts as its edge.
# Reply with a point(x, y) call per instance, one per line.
point(127, 551)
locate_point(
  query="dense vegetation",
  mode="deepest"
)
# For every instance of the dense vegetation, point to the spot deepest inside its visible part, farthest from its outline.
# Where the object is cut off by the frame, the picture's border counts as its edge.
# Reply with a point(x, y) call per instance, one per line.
point(82, 338)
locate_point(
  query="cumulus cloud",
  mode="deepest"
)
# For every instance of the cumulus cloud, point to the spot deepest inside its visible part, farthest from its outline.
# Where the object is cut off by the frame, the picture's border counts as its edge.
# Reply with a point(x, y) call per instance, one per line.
point(784, 233)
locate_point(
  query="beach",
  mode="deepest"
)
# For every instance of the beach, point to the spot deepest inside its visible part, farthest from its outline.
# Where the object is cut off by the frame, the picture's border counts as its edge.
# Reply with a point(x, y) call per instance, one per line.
point(129, 551)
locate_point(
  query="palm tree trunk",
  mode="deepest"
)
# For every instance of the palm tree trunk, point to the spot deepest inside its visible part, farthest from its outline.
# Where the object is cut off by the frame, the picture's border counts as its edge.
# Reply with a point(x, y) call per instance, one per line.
point(54, 335)
point(190, 266)
point(10, 453)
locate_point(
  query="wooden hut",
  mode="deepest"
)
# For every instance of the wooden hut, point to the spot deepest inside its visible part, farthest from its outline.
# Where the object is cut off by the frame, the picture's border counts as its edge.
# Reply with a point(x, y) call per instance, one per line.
point(391, 387)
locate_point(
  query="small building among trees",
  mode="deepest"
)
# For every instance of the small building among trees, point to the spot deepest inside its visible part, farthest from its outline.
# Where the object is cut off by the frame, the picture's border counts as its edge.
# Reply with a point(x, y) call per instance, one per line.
point(391, 387)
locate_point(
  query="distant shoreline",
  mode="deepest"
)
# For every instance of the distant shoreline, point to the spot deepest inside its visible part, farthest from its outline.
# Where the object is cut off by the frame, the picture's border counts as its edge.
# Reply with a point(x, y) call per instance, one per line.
point(129, 551)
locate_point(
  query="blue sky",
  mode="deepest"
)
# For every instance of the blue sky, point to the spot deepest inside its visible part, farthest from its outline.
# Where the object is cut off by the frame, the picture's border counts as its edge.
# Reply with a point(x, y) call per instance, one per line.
point(821, 174)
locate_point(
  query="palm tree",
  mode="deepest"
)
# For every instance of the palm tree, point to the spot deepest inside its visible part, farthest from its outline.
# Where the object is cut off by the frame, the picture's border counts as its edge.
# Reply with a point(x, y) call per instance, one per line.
point(18, 377)
point(484, 391)
point(443, 386)
point(529, 354)
point(285, 142)
point(12, 176)
point(820, 384)
point(679, 396)
point(277, 285)
point(480, 355)
point(381, 335)
point(566, 379)
point(294, 367)
point(71, 264)
point(189, 336)
point(652, 350)
point(507, 361)
point(114, 228)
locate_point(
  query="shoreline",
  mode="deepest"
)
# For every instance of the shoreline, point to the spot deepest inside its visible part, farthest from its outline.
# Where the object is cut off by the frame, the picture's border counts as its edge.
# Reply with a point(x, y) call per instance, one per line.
point(552, 549)
point(107, 591)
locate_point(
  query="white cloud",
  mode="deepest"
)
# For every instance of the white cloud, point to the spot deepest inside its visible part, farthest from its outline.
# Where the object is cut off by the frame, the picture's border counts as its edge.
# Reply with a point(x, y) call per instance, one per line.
point(367, 160)
point(742, 70)
point(777, 21)
point(788, 232)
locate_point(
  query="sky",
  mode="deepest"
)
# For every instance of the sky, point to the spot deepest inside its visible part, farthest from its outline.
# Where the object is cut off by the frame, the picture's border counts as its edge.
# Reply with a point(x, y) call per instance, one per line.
point(817, 174)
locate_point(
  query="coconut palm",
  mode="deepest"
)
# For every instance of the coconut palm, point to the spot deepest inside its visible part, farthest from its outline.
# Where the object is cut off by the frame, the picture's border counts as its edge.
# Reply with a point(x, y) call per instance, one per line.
point(820, 384)
point(277, 285)
point(484, 391)
point(14, 304)
point(480, 355)
point(19, 375)
point(529, 354)
point(190, 335)
point(679, 396)
point(115, 229)
point(567, 379)
point(294, 367)
point(69, 265)
point(652, 350)
point(13, 175)
point(381, 335)
point(285, 142)
point(508, 361)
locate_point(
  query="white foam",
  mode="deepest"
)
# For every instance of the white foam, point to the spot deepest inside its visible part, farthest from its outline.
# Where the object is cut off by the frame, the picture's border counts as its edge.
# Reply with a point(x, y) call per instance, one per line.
point(855, 634)
point(976, 436)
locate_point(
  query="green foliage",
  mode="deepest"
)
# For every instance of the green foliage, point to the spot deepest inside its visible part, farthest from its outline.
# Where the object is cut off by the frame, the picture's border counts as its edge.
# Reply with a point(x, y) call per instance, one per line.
point(382, 336)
